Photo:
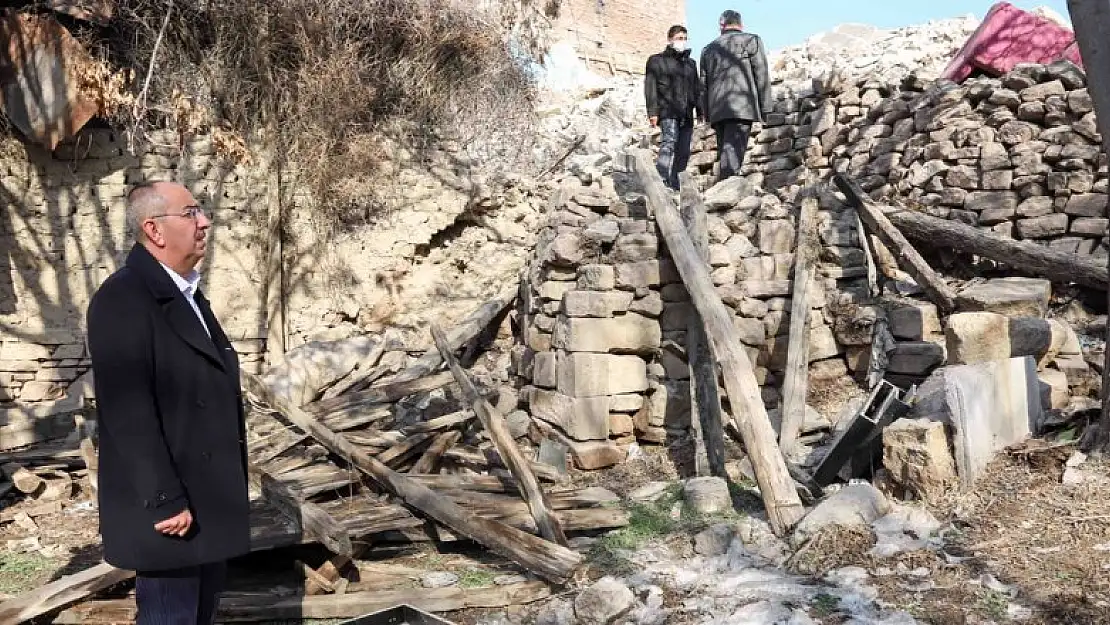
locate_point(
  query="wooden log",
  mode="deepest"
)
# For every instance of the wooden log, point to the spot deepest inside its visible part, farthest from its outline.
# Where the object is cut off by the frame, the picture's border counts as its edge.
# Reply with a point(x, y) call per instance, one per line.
point(319, 583)
point(908, 257)
point(1091, 19)
point(705, 396)
point(262, 606)
point(314, 521)
point(795, 385)
point(61, 593)
point(429, 462)
point(548, 560)
point(461, 333)
point(25, 482)
point(498, 430)
point(383, 394)
point(784, 508)
point(1021, 257)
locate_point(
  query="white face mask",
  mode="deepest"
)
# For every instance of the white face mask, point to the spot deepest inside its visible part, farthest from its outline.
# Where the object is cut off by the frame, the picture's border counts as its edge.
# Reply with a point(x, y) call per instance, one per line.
point(678, 45)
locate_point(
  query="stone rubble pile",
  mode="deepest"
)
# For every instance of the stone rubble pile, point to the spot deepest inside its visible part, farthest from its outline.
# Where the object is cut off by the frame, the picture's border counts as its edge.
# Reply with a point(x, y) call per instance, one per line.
point(863, 52)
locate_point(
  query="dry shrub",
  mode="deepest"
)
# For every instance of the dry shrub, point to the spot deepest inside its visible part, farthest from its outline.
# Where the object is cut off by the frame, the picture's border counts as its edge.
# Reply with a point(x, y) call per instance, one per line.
point(320, 80)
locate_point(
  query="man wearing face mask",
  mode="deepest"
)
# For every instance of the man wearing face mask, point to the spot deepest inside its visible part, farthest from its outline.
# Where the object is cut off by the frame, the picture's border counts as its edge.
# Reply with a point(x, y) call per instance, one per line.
point(673, 94)
point(737, 90)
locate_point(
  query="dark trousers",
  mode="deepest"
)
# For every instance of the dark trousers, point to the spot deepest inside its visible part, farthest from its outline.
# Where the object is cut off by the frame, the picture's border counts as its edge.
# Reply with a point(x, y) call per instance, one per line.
point(187, 596)
point(732, 143)
point(674, 149)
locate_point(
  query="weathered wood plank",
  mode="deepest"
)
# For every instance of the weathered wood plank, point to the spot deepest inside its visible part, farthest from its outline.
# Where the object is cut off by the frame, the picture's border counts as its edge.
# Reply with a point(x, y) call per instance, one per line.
point(430, 460)
point(892, 237)
point(439, 423)
point(705, 396)
point(397, 455)
point(784, 507)
point(498, 430)
point(316, 523)
point(796, 382)
point(551, 561)
point(60, 593)
point(383, 394)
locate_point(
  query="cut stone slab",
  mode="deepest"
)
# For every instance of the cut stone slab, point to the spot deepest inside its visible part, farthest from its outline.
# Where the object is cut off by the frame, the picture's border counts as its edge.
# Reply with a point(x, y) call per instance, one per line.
point(914, 322)
point(990, 406)
point(581, 418)
point(1030, 336)
point(596, 375)
point(627, 333)
point(916, 453)
point(1055, 392)
point(915, 357)
point(854, 505)
point(544, 370)
point(600, 304)
point(1013, 297)
point(977, 337)
point(594, 455)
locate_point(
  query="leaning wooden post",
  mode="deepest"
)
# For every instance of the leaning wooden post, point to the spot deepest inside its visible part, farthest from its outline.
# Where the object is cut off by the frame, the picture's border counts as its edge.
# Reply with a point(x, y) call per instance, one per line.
point(1091, 21)
point(705, 397)
point(784, 508)
point(796, 383)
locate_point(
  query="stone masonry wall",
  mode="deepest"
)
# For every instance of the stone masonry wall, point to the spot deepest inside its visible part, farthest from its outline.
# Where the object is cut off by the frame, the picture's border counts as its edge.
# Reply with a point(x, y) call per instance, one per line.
point(617, 36)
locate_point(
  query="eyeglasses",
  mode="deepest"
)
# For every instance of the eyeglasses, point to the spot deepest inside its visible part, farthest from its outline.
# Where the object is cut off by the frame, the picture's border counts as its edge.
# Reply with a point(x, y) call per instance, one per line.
point(189, 212)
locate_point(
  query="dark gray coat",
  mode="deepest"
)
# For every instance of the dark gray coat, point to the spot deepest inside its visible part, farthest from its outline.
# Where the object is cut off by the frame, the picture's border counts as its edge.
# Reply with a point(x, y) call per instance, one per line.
point(737, 81)
point(170, 417)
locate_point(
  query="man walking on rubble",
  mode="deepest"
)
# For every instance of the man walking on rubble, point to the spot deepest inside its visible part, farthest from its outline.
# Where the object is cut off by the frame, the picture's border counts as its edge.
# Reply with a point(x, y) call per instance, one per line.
point(173, 469)
point(737, 90)
point(673, 94)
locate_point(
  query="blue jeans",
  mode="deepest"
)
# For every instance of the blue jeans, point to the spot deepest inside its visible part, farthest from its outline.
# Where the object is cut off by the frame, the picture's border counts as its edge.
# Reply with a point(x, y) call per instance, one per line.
point(674, 149)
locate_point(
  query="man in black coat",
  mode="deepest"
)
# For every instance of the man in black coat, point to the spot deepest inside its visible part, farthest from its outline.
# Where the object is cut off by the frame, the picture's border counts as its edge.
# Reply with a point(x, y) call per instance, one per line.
point(672, 90)
point(173, 480)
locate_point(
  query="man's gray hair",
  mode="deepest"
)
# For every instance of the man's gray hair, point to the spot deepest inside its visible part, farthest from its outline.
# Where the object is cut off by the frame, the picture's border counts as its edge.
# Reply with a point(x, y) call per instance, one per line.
point(143, 201)
point(731, 18)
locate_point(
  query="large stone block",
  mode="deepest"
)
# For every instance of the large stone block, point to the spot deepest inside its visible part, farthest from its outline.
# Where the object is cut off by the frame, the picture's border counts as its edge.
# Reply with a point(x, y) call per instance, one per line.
point(595, 375)
point(627, 333)
point(595, 303)
point(596, 278)
point(641, 275)
point(1015, 297)
point(914, 322)
point(916, 453)
point(776, 236)
point(977, 337)
point(545, 372)
point(1087, 205)
point(581, 418)
point(915, 358)
point(1044, 227)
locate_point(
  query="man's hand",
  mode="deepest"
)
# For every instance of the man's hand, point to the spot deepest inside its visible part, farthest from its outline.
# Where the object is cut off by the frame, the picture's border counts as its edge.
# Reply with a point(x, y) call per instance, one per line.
point(177, 525)
point(653, 120)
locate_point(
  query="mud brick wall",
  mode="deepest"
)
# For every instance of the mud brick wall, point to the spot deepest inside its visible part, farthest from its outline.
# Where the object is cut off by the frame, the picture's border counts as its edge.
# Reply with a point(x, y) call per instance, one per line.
point(617, 36)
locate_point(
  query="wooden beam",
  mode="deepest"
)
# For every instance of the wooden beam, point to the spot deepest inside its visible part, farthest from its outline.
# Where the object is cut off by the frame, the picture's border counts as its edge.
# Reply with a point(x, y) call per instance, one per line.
point(429, 462)
point(375, 395)
point(784, 508)
point(705, 396)
point(396, 455)
point(498, 430)
point(264, 606)
point(908, 257)
point(796, 383)
point(61, 593)
point(461, 333)
point(314, 521)
point(1091, 21)
point(548, 560)
point(439, 423)
point(25, 481)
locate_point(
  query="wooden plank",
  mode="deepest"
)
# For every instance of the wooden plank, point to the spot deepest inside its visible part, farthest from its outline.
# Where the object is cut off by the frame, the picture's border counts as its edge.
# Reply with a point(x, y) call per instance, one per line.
point(796, 382)
point(45, 454)
point(440, 423)
point(477, 483)
point(355, 417)
point(399, 453)
point(908, 257)
point(1091, 19)
point(380, 440)
point(705, 396)
point(548, 560)
point(474, 458)
point(314, 521)
point(242, 607)
point(330, 571)
point(498, 430)
point(383, 394)
point(784, 508)
point(430, 460)
point(60, 593)
point(461, 333)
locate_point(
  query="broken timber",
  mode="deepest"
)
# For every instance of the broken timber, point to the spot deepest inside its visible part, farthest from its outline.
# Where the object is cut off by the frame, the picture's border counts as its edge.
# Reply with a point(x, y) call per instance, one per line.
point(704, 394)
point(784, 507)
point(549, 560)
point(1023, 257)
point(795, 384)
point(316, 523)
point(908, 257)
point(376, 395)
point(61, 593)
point(498, 431)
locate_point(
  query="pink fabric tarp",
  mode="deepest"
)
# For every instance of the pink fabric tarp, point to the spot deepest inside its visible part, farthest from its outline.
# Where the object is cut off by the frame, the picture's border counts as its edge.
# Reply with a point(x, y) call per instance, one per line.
point(1009, 36)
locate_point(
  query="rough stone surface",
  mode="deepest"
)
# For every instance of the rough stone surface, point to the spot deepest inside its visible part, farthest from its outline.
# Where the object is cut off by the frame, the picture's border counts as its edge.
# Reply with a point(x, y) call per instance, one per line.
point(581, 418)
point(916, 453)
point(914, 322)
point(707, 495)
point(595, 375)
point(915, 358)
point(627, 333)
point(603, 602)
point(1018, 297)
point(977, 337)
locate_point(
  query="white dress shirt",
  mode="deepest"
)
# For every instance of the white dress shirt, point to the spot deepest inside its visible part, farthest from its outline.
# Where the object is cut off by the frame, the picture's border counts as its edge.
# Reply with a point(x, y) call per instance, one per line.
point(188, 286)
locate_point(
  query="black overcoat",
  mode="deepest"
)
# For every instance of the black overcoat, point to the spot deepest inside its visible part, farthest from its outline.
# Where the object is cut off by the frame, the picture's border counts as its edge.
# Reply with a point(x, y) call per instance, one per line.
point(170, 419)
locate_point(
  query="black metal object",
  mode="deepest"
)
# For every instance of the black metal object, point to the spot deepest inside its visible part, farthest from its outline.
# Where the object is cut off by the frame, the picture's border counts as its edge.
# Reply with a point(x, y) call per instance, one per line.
point(399, 615)
point(857, 447)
